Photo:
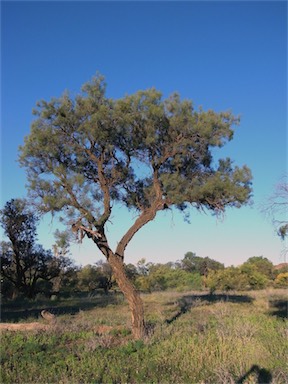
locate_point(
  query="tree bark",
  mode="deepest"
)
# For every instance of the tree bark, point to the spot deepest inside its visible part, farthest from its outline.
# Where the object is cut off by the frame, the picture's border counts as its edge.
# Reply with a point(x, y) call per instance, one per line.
point(131, 295)
point(116, 262)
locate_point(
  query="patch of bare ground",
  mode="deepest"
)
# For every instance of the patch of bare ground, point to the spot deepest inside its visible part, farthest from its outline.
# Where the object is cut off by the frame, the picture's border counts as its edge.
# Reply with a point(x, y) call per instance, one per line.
point(23, 326)
point(36, 326)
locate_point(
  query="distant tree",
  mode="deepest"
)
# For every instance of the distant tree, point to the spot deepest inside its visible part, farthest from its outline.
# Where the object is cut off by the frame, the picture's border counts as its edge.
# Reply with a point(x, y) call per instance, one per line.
point(262, 265)
point(131, 271)
point(256, 279)
point(66, 283)
point(190, 262)
point(23, 262)
point(277, 208)
point(92, 277)
point(84, 154)
point(202, 265)
point(226, 280)
point(165, 276)
point(236, 278)
point(61, 249)
point(87, 278)
point(105, 276)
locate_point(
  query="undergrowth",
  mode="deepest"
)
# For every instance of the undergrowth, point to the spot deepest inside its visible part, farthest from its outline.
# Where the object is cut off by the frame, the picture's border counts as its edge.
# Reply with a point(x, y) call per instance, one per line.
point(193, 338)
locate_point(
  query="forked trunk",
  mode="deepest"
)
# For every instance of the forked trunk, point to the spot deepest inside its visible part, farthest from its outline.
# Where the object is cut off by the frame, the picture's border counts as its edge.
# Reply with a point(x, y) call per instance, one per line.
point(116, 262)
point(131, 295)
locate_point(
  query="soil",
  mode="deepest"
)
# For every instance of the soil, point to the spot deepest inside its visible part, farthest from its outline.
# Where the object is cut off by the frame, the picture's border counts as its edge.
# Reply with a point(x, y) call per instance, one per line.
point(101, 329)
point(23, 326)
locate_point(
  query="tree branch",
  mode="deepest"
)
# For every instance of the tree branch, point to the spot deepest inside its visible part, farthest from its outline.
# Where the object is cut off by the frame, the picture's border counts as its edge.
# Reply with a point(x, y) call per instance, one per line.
point(104, 185)
point(146, 216)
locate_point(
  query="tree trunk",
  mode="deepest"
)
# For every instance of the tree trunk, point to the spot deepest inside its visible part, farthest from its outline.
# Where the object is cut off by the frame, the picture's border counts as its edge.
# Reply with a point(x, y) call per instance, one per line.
point(131, 295)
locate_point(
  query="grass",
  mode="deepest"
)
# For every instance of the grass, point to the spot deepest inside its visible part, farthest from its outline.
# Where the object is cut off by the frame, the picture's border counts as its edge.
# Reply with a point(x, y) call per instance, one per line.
point(194, 338)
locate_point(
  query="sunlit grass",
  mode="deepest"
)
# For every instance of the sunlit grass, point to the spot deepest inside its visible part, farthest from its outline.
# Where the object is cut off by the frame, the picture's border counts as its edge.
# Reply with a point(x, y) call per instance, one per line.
point(193, 339)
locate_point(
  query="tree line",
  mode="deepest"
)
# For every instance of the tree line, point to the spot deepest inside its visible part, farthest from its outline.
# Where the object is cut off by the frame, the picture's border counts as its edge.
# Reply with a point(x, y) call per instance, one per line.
point(28, 270)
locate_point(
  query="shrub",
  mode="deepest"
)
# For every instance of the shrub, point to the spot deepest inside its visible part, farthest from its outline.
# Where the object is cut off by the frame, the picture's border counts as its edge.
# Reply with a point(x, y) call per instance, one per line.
point(281, 280)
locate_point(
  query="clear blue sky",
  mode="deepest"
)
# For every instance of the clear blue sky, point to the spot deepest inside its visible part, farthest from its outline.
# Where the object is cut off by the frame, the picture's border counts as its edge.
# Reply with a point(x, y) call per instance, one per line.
point(222, 55)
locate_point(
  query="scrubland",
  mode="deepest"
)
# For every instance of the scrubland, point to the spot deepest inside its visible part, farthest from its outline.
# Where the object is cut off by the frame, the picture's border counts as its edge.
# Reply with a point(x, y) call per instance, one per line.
point(193, 337)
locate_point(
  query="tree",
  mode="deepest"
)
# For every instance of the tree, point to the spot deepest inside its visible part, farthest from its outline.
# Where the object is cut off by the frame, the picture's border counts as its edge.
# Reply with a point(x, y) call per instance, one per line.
point(165, 276)
point(202, 265)
point(241, 278)
point(84, 154)
point(23, 262)
point(105, 276)
point(256, 279)
point(131, 271)
point(226, 279)
point(262, 265)
point(87, 277)
point(277, 208)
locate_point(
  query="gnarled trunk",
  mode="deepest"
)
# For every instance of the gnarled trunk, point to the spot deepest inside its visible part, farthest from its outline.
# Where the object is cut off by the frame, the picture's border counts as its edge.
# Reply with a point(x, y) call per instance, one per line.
point(131, 295)
point(116, 262)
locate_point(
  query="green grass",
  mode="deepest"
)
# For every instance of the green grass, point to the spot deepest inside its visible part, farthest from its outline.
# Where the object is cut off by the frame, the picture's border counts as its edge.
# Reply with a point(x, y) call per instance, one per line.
point(194, 338)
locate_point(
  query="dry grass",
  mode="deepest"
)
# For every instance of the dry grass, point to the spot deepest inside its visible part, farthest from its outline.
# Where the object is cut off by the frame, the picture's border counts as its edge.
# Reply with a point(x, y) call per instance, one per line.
point(194, 338)
point(24, 326)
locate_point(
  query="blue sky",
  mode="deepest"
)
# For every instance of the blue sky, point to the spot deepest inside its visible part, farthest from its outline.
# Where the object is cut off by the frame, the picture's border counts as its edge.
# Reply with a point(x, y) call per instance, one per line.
point(223, 55)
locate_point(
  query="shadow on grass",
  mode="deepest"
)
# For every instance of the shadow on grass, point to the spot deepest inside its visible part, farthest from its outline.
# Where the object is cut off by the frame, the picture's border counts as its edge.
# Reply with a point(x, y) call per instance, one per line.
point(19, 311)
point(263, 376)
point(279, 308)
point(186, 302)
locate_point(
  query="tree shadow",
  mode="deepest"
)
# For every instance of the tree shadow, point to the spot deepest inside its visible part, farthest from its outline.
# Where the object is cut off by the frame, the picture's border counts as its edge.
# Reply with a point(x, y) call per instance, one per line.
point(263, 376)
point(279, 308)
point(16, 312)
point(188, 301)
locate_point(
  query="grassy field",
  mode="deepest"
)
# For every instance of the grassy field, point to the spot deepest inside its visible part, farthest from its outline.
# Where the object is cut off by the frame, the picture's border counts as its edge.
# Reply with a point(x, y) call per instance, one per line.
point(193, 338)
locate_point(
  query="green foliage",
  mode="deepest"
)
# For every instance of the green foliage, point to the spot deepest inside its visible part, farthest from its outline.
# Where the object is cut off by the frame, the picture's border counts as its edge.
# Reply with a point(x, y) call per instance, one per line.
point(202, 265)
point(92, 277)
point(262, 265)
point(83, 153)
point(162, 277)
point(25, 265)
point(226, 280)
point(131, 271)
point(240, 278)
point(87, 278)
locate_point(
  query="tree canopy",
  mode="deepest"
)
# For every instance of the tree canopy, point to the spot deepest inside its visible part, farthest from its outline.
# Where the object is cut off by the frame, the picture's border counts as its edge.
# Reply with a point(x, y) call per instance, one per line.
point(202, 265)
point(82, 154)
point(85, 153)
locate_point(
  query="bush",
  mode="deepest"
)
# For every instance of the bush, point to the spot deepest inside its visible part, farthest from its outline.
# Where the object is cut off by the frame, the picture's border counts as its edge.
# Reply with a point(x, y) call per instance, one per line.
point(236, 278)
point(163, 277)
point(281, 280)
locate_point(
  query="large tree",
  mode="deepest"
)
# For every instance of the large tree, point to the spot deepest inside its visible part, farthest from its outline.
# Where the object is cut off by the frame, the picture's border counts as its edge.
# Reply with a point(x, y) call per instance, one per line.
point(85, 153)
point(23, 262)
